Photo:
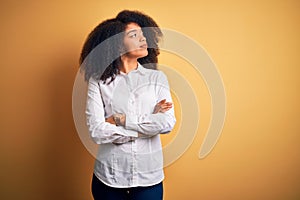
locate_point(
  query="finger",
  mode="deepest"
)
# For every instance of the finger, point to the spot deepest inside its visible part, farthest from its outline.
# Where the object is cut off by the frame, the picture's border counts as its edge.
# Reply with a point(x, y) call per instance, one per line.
point(164, 110)
point(167, 103)
point(162, 101)
point(166, 106)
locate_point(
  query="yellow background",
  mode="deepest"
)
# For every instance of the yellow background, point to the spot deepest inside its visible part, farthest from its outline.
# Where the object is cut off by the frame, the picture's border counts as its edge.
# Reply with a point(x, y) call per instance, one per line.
point(255, 45)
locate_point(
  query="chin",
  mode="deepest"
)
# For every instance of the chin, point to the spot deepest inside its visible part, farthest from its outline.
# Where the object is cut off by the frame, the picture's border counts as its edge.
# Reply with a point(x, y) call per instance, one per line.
point(138, 54)
point(146, 53)
point(142, 55)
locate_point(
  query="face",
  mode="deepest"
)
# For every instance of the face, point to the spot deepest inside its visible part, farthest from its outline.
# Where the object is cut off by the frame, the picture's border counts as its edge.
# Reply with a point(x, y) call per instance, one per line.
point(135, 42)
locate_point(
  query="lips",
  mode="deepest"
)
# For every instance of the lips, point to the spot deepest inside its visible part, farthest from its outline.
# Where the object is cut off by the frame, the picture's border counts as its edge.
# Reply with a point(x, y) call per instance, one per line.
point(144, 46)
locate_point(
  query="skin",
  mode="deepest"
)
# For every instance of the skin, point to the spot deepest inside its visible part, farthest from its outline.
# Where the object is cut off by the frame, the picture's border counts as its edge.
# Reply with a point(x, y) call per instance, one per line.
point(136, 47)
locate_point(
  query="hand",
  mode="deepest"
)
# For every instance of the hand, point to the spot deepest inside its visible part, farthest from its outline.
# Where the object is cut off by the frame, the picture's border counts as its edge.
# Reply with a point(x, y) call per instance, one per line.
point(162, 106)
point(123, 140)
point(117, 119)
point(111, 120)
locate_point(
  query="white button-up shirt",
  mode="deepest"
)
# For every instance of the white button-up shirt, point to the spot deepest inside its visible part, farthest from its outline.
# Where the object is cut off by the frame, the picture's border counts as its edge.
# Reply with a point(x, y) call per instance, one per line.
point(130, 155)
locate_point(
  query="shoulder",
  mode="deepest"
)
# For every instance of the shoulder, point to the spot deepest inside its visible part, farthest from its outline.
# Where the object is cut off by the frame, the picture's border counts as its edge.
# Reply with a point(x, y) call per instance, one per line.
point(158, 74)
point(92, 81)
point(154, 73)
point(157, 77)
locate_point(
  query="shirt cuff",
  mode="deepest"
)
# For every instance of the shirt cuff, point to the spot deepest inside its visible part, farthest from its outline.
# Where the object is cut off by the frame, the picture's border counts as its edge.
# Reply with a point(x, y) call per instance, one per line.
point(131, 122)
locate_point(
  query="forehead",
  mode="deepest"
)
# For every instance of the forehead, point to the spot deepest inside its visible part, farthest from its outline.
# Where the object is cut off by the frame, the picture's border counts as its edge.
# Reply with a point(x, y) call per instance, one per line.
point(132, 26)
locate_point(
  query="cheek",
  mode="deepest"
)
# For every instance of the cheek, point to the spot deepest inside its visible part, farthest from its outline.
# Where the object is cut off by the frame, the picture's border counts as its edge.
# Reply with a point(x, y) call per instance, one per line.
point(130, 46)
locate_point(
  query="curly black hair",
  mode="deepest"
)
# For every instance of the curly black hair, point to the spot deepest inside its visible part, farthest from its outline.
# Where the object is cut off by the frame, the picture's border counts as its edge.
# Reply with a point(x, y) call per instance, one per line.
point(101, 53)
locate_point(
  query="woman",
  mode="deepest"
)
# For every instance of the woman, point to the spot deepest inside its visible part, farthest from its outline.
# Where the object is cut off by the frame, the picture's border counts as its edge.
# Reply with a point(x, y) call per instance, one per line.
point(128, 106)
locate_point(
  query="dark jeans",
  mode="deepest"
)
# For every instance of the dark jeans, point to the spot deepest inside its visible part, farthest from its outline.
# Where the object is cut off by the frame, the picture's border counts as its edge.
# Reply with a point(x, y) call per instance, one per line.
point(101, 191)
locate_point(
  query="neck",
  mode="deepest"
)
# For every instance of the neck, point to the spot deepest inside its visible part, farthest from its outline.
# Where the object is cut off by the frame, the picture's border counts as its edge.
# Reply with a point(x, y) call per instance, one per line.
point(128, 64)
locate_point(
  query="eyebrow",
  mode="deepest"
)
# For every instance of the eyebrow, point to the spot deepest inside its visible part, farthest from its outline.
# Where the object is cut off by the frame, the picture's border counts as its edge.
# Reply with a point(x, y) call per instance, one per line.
point(133, 30)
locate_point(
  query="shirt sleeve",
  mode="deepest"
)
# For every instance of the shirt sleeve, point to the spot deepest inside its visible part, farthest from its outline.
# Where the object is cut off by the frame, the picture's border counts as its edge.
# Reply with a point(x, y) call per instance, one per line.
point(152, 124)
point(100, 131)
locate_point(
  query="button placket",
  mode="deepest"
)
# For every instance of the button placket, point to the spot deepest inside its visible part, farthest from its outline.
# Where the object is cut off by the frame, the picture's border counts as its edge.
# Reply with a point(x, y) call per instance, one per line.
point(132, 110)
point(134, 166)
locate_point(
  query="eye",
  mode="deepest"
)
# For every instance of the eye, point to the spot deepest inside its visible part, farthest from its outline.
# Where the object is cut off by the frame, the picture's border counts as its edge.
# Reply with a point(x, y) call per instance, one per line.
point(133, 35)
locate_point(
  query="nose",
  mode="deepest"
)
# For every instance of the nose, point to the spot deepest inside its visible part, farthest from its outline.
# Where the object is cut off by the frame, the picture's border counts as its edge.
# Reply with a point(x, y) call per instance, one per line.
point(143, 38)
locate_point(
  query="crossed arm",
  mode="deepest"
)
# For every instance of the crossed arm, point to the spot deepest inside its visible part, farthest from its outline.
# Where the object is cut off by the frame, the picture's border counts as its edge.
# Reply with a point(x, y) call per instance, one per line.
point(119, 119)
point(123, 127)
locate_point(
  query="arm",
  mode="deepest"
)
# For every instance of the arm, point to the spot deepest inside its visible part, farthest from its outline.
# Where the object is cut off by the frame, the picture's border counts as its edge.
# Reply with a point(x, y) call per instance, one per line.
point(155, 123)
point(100, 130)
point(119, 118)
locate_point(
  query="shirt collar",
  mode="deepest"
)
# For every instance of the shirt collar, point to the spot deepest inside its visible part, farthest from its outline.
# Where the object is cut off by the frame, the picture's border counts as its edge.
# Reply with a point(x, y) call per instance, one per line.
point(141, 69)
